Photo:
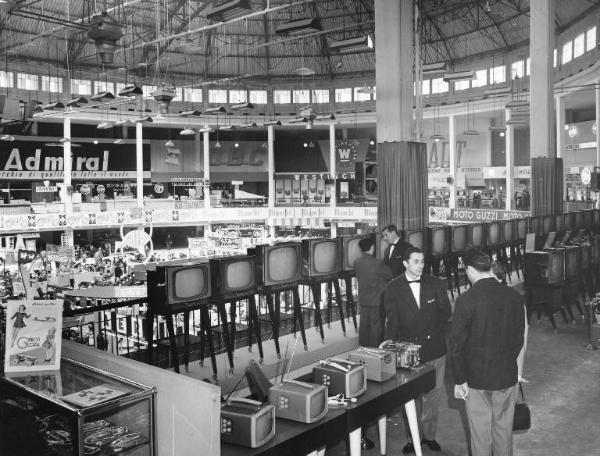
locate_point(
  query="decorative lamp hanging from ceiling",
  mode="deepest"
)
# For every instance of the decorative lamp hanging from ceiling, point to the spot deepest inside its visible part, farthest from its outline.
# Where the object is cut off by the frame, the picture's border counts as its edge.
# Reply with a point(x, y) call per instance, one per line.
point(164, 95)
point(105, 32)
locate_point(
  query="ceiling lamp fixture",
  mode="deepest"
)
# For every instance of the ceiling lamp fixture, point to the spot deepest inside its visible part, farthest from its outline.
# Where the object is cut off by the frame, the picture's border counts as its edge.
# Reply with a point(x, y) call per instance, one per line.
point(76, 102)
point(435, 68)
point(304, 71)
point(242, 106)
point(118, 141)
point(437, 137)
point(102, 96)
point(497, 90)
point(104, 126)
point(53, 106)
point(205, 129)
point(249, 125)
point(325, 117)
point(215, 110)
point(131, 90)
point(299, 26)
point(187, 132)
point(459, 76)
point(366, 90)
point(7, 138)
point(272, 123)
point(144, 119)
point(226, 127)
point(164, 95)
point(122, 122)
point(105, 32)
point(192, 113)
point(357, 44)
point(170, 143)
point(298, 120)
point(228, 10)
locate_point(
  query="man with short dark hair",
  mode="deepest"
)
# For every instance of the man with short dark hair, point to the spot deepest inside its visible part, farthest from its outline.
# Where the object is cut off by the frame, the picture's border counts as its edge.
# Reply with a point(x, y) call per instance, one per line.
point(372, 276)
point(395, 251)
point(485, 341)
point(417, 309)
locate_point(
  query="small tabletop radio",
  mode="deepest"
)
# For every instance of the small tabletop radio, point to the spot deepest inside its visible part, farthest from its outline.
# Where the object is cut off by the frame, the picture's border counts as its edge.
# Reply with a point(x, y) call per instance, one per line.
point(381, 364)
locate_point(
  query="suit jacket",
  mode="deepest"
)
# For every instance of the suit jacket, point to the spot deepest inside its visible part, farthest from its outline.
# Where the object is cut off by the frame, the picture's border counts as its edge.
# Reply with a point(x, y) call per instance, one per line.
point(424, 325)
point(487, 335)
point(395, 262)
point(372, 276)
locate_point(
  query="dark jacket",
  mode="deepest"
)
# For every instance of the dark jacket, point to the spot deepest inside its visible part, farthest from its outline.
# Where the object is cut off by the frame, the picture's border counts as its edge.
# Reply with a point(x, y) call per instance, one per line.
point(395, 262)
point(487, 335)
point(372, 277)
point(424, 325)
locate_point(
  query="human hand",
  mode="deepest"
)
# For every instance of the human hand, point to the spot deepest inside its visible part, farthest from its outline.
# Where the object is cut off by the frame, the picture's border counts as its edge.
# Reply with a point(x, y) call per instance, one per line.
point(461, 391)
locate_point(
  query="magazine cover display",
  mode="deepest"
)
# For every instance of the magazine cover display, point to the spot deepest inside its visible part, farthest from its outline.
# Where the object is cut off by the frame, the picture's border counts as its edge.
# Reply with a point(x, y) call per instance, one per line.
point(33, 335)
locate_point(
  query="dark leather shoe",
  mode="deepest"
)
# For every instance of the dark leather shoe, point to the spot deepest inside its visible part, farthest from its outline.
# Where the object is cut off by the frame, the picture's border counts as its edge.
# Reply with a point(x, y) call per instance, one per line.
point(432, 444)
point(408, 448)
point(366, 444)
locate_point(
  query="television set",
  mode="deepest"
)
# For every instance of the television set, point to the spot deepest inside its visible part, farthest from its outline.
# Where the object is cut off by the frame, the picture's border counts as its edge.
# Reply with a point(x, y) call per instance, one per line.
point(416, 238)
point(350, 250)
point(177, 287)
point(277, 264)
point(544, 268)
point(579, 220)
point(494, 233)
point(321, 257)
point(572, 261)
point(341, 376)
point(233, 275)
point(570, 221)
point(535, 225)
point(459, 238)
point(595, 220)
point(548, 224)
point(438, 238)
point(509, 231)
point(522, 227)
point(595, 254)
point(585, 257)
point(550, 240)
point(247, 423)
point(559, 223)
point(477, 235)
point(299, 401)
point(588, 219)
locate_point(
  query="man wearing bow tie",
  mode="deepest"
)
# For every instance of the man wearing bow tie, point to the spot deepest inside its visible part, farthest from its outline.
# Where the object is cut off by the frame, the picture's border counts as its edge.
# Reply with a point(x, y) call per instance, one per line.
point(394, 253)
point(417, 310)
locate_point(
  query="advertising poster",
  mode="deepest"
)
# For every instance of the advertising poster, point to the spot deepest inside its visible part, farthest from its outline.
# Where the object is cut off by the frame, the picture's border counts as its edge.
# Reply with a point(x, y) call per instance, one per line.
point(32, 267)
point(33, 335)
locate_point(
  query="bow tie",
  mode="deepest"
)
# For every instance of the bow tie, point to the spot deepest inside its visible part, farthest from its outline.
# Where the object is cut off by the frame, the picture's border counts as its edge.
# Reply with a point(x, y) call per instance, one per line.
point(415, 281)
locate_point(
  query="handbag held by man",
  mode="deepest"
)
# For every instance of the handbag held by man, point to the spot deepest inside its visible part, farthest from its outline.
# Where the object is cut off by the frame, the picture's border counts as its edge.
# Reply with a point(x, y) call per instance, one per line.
point(522, 419)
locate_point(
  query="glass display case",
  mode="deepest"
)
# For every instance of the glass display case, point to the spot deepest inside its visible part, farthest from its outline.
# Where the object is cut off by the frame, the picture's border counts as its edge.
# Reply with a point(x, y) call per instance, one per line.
point(81, 410)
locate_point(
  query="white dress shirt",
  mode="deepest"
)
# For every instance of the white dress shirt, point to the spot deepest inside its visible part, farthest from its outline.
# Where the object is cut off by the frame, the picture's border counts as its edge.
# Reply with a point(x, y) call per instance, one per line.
point(415, 287)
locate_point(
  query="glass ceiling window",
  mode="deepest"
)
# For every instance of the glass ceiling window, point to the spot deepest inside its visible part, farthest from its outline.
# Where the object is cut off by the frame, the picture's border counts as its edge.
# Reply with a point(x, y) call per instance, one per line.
point(480, 78)
point(192, 95)
point(517, 69)
point(567, 52)
point(320, 96)
point(527, 66)
point(461, 85)
point(426, 87)
point(282, 96)
point(238, 96)
point(6, 79)
point(343, 95)
point(358, 96)
point(590, 39)
point(103, 86)
point(579, 45)
point(51, 84)
point(258, 96)
point(438, 85)
point(81, 87)
point(555, 58)
point(217, 96)
point(498, 74)
point(301, 96)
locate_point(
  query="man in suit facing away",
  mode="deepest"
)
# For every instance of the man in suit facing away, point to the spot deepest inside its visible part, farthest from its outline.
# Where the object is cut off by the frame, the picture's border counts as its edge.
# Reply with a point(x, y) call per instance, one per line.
point(372, 276)
point(394, 253)
point(417, 310)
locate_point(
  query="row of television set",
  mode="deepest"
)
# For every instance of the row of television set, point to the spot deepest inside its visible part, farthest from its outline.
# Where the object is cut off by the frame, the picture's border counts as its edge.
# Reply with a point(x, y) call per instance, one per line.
point(553, 266)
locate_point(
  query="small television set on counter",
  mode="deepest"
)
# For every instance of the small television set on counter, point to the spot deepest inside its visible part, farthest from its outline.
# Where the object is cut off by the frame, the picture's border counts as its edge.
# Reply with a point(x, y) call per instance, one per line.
point(548, 224)
point(535, 225)
point(299, 401)
point(416, 238)
point(570, 221)
point(233, 274)
point(509, 231)
point(459, 238)
point(477, 235)
point(522, 229)
point(247, 422)
point(341, 376)
point(321, 257)
point(177, 287)
point(277, 264)
point(559, 223)
point(579, 220)
point(438, 240)
point(544, 267)
point(350, 250)
point(494, 234)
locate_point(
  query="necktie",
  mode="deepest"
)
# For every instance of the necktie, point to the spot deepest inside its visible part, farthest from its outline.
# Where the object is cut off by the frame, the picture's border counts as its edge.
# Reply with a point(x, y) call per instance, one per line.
point(415, 281)
point(392, 249)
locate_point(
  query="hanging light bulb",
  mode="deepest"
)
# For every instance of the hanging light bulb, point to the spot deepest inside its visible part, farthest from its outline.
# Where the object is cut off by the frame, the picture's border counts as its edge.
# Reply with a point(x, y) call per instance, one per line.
point(217, 145)
point(170, 143)
point(187, 132)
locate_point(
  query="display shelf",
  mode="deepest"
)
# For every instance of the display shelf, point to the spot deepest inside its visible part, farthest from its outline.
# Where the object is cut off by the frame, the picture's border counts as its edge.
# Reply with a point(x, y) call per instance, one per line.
point(80, 410)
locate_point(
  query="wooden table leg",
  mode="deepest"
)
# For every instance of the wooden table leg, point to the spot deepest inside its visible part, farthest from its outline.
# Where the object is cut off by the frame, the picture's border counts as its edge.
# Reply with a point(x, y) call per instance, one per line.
point(354, 438)
point(413, 424)
point(382, 427)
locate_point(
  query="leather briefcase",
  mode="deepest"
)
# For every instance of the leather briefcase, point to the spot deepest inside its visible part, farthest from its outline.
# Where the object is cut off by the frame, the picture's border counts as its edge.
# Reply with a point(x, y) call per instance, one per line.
point(522, 419)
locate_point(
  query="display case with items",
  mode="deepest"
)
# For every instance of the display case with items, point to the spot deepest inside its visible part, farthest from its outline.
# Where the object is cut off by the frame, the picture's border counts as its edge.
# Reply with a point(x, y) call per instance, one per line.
point(79, 411)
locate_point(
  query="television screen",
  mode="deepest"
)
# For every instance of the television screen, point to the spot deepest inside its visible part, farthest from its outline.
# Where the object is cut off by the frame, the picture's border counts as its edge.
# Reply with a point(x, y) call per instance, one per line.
point(559, 223)
point(477, 235)
point(579, 223)
point(550, 240)
point(535, 225)
point(233, 274)
point(318, 403)
point(494, 234)
point(438, 240)
point(544, 268)
point(357, 383)
point(459, 237)
point(509, 231)
point(350, 251)
point(416, 238)
point(277, 264)
point(172, 288)
point(570, 221)
point(522, 225)
point(572, 262)
point(321, 257)
point(547, 224)
point(264, 427)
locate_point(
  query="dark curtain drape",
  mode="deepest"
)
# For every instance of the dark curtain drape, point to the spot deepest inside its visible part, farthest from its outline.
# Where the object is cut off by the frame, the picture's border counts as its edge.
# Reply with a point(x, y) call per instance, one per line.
point(402, 182)
point(546, 186)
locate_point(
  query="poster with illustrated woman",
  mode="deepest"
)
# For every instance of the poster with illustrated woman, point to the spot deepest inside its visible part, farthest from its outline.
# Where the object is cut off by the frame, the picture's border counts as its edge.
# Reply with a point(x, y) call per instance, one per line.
point(33, 335)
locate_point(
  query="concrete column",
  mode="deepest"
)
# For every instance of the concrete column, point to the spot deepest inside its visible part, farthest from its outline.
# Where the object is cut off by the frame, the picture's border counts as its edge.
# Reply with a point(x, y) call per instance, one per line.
point(452, 160)
point(197, 151)
point(559, 103)
point(394, 75)
point(206, 168)
point(271, 163)
point(67, 195)
point(332, 170)
point(509, 152)
point(541, 82)
point(488, 147)
point(139, 163)
point(597, 122)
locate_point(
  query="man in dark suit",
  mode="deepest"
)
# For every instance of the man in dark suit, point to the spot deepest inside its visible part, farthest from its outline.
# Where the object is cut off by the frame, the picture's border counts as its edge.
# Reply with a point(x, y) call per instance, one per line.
point(485, 341)
point(417, 310)
point(372, 276)
point(394, 253)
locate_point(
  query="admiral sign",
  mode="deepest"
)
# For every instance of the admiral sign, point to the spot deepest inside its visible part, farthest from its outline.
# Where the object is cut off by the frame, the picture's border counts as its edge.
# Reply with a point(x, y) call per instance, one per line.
point(32, 160)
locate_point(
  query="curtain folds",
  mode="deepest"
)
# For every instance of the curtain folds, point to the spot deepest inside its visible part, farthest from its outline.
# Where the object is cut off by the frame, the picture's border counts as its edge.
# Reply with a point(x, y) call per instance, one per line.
point(402, 182)
point(546, 186)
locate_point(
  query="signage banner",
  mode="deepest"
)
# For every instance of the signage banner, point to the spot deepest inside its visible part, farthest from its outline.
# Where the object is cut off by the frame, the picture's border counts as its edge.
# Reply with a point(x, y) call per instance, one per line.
point(476, 215)
point(345, 156)
point(59, 253)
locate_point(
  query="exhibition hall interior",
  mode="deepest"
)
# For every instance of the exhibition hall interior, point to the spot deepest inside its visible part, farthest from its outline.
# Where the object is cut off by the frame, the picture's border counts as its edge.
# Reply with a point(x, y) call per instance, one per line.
point(188, 188)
